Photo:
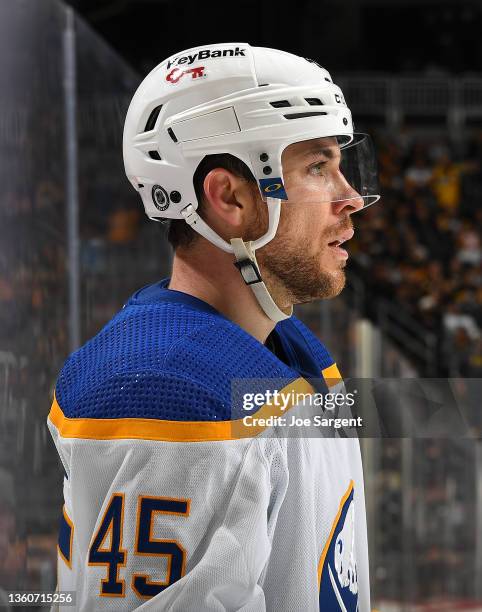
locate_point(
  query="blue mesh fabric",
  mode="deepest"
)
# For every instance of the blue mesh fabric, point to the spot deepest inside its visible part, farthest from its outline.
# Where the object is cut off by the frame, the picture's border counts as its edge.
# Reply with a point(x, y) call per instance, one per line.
point(163, 360)
point(317, 349)
point(223, 352)
point(149, 395)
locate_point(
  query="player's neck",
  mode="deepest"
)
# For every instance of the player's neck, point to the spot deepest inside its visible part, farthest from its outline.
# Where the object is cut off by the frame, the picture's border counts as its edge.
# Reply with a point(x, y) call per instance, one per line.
point(212, 277)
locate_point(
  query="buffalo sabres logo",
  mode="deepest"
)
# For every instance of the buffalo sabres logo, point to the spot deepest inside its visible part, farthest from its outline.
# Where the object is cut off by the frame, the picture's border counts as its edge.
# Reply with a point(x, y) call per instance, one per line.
point(338, 570)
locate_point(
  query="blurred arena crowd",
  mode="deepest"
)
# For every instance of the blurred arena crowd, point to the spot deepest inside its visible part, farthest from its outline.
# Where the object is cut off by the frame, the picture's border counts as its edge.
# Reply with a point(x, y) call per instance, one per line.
point(420, 246)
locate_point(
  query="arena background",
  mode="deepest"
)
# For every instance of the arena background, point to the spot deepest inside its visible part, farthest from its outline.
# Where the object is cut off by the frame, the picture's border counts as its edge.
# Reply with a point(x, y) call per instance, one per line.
point(74, 244)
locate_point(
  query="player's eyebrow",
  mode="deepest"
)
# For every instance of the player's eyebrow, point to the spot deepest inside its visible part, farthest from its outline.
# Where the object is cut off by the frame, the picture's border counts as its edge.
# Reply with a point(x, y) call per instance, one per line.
point(317, 152)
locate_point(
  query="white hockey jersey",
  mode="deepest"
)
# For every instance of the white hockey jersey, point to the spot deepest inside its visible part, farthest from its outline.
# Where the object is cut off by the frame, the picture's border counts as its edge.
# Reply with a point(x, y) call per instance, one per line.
point(169, 503)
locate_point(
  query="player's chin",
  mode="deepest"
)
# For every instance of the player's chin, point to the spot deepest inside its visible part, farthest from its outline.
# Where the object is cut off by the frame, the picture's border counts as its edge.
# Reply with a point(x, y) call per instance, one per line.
point(338, 284)
point(333, 283)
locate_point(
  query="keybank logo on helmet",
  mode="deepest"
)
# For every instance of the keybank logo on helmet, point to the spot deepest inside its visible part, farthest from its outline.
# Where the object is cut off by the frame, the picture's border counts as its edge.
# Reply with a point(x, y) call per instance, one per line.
point(175, 74)
point(205, 54)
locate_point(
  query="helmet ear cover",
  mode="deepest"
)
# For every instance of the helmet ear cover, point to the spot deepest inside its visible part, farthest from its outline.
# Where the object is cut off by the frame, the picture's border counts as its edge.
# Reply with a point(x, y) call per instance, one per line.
point(179, 232)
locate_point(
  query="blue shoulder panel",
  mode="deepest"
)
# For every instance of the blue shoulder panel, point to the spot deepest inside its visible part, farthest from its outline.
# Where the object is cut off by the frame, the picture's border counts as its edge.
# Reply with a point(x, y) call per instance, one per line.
point(168, 355)
point(164, 360)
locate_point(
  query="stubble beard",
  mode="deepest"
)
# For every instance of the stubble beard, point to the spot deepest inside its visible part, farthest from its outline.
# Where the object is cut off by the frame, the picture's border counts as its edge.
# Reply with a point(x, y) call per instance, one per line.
point(297, 278)
point(292, 274)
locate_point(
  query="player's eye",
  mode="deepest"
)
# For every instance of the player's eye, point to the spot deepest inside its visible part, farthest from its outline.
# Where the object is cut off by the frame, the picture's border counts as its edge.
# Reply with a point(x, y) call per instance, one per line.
point(317, 169)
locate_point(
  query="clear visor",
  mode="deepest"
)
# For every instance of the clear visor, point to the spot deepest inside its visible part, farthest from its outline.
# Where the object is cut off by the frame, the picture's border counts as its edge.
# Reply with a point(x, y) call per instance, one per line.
point(330, 169)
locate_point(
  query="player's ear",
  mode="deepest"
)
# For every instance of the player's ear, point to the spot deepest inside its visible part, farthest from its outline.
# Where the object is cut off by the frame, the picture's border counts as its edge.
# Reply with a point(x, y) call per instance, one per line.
point(229, 198)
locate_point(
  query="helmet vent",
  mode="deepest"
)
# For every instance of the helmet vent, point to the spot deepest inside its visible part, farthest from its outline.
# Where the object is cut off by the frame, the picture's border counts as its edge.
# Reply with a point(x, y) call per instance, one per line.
point(314, 101)
point(171, 134)
point(151, 122)
point(301, 115)
point(155, 155)
point(280, 103)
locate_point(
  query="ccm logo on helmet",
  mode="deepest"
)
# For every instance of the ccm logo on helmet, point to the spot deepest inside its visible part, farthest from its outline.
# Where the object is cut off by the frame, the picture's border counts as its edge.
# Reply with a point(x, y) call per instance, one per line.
point(176, 74)
point(205, 54)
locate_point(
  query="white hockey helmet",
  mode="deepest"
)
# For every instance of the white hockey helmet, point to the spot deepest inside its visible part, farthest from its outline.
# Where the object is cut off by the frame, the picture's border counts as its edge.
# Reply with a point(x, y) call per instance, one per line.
point(250, 102)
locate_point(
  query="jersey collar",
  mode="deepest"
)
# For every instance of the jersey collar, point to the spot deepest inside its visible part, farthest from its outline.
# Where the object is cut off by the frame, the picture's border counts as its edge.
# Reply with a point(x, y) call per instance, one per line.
point(159, 292)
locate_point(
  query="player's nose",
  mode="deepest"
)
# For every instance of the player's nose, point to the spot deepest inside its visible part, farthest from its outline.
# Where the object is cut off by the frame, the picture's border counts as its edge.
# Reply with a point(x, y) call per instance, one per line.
point(349, 200)
point(349, 204)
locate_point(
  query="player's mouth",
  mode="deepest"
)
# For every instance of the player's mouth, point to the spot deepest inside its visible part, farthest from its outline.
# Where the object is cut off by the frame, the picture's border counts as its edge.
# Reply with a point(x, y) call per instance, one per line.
point(335, 245)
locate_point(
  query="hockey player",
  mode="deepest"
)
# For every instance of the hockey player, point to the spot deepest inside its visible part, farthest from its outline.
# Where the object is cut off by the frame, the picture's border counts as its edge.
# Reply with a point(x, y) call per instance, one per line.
point(172, 501)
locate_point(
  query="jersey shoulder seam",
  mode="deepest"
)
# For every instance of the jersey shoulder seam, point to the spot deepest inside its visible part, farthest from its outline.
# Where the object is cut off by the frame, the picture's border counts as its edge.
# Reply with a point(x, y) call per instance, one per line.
point(155, 373)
